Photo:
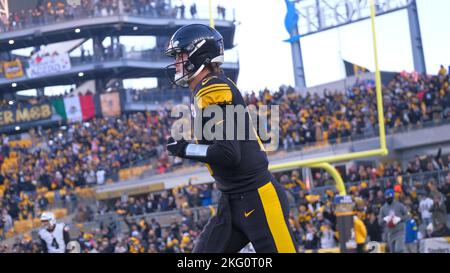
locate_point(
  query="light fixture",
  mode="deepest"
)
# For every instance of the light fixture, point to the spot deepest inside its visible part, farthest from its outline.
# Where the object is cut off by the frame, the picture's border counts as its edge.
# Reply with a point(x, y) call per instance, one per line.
point(17, 128)
point(80, 74)
point(77, 30)
point(11, 42)
point(135, 28)
point(14, 84)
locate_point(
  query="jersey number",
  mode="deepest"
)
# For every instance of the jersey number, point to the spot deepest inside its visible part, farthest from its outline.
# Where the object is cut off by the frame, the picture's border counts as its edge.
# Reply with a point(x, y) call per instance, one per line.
point(55, 244)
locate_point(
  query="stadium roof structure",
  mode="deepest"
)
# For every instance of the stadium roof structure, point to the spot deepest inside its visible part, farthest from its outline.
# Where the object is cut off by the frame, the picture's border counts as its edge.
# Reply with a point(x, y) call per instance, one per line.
point(129, 65)
point(109, 69)
point(110, 26)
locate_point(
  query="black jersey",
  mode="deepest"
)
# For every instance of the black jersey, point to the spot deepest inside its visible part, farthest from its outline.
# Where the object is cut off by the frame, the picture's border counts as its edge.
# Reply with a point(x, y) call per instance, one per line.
point(238, 165)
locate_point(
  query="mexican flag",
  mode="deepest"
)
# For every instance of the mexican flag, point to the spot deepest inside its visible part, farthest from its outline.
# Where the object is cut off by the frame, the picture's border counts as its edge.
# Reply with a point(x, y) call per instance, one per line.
point(75, 109)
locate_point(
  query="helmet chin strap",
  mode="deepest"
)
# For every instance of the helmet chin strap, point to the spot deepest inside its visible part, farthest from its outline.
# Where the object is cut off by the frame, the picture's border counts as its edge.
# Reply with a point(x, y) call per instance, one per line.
point(184, 79)
point(196, 72)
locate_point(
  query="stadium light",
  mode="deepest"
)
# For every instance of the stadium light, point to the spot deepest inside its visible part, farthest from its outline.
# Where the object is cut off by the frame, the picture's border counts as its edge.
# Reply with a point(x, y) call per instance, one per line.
point(10, 102)
point(17, 128)
point(77, 30)
point(11, 42)
point(14, 84)
point(81, 74)
point(135, 28)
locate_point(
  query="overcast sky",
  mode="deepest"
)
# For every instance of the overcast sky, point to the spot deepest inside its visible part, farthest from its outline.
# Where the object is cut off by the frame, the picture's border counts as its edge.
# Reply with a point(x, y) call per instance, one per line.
point(266, 60)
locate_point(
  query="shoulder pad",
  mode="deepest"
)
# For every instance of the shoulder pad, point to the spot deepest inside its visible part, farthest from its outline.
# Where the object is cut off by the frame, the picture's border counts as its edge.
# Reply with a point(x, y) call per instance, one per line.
point(214, 90)
point(208, 79)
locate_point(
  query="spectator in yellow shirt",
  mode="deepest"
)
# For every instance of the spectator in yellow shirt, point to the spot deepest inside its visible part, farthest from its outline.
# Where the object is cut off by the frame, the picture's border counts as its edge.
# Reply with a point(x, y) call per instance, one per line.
point(360, 234)
point(442, 71)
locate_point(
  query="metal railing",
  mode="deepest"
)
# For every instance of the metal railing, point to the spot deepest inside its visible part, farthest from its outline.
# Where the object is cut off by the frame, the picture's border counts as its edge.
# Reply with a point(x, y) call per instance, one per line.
point(201, 214)
point(165, 218)
point(156, 95)
point(159, 10)
point(439, 177)
point(333, 143)
point(110, 55)
point(304, 149)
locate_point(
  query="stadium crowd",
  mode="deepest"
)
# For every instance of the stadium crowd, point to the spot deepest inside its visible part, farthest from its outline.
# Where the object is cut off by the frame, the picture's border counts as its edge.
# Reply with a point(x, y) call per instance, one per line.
point(76, 155)
point(409, 100)
point(312, 216)
point(57, 11)
point(143, 237)
point(91, 153)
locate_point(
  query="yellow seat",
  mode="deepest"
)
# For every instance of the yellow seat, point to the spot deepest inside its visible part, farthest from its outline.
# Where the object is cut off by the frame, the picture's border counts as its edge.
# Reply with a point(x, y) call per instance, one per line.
point(87, 192)
point(50, 197)
point(23, 226)
point(62, 192)
point(36, 222)
point(42, 190)
point(60, 213)
point(124, 174)
point(9, 234)
point(25, 143)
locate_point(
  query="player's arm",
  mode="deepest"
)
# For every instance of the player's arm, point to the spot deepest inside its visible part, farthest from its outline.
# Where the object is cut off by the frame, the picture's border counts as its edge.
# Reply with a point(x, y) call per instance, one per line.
point(226, 153)
point(43, 245)
point(66, 235)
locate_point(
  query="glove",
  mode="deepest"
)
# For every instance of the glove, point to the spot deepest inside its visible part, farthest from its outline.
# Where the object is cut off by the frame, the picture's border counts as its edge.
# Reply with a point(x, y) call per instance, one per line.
point(177, 148)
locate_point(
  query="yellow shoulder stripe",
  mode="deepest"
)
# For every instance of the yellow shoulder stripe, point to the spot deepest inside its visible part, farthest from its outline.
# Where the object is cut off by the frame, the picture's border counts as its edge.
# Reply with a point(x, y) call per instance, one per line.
point(233, 83)
point(219, 96)
point(209, 87)
point(213, 90)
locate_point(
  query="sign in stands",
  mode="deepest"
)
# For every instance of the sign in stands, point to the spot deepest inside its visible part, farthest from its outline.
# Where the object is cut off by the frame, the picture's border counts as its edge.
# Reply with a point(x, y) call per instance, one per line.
point(435, 245)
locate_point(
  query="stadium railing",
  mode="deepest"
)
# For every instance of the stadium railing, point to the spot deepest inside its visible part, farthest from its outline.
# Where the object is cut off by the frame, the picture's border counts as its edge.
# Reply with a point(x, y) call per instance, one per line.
point(412, 180)
point(78, 12)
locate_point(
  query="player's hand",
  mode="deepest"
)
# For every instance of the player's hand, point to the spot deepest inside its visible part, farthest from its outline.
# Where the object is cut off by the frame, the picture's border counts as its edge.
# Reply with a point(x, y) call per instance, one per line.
point(177, 148)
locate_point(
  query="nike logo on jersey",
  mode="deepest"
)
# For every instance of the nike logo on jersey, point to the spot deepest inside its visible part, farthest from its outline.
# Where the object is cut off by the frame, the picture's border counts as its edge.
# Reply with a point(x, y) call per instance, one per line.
point(247, 214)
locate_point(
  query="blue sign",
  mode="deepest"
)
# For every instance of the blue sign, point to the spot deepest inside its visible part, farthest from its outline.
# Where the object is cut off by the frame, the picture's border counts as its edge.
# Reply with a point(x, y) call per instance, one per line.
point(343, 200)
point(291, 21)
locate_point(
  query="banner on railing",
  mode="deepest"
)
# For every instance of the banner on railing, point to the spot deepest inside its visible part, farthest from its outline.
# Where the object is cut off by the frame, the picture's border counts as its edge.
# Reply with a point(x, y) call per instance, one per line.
point(13, 69)
point(110, 104)
point(48, 64)
point(28, 113)
point(435, 245)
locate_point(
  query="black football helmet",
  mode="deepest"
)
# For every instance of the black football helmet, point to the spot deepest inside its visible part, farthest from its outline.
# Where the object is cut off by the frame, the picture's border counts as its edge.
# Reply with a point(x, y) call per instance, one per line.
point(202, 44)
